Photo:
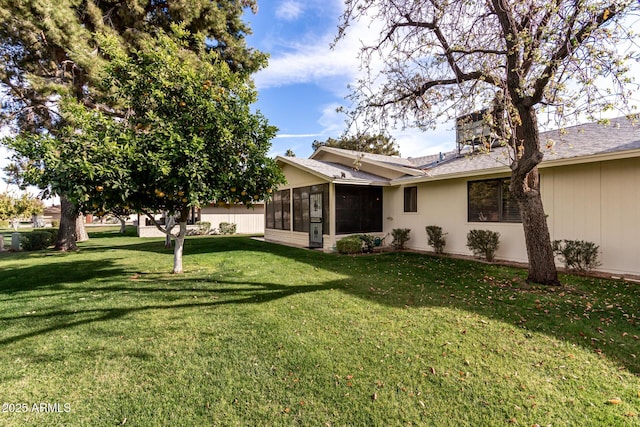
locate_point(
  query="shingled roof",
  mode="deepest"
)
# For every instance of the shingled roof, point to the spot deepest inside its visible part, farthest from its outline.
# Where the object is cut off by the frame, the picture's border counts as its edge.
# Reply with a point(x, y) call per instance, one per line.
point(335, 172)
point(580, 143)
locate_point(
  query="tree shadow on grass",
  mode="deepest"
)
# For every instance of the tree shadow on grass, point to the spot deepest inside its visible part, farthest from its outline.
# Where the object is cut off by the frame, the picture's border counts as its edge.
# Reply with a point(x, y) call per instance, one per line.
point(56, 276)
point(195, 245)
point(252, 294)
point(586, 312)
point(130, 231)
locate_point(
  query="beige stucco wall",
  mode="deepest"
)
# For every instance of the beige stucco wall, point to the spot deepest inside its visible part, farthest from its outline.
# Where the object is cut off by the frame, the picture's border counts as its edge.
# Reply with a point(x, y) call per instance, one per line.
point(598, 202)
point(444, 203)
point(298, 178)
point(292, 238)
point(248, 221)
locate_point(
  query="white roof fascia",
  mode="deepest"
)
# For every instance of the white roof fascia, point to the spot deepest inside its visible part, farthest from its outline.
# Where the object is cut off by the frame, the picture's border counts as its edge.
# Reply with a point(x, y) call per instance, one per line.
point(600, 157)
point(304, 168)
point(362, 159)
point(467, 174)
point(361, 182)
point(332, 179)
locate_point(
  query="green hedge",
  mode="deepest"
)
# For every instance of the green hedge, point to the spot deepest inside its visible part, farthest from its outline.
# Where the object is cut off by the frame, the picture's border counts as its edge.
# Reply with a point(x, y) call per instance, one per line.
point(349, 245)
point(36, 240)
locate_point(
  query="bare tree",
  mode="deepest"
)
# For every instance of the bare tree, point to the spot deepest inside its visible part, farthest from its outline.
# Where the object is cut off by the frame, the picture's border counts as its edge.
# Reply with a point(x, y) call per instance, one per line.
point(438, 59)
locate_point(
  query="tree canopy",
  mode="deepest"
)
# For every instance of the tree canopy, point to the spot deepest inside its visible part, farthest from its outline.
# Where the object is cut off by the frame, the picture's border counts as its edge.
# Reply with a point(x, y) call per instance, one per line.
point(14, 208)
point(375, 144)
point(188, 137)
point(445, 59)
point(52, 47)
point(51, 50)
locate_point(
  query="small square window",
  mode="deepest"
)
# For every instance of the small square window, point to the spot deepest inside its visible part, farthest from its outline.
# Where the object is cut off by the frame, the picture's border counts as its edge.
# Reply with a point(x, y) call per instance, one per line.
point(411, 199)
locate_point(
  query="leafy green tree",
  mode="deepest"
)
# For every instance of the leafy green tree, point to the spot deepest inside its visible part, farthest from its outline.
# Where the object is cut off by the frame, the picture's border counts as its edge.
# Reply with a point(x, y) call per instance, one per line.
point(188, 139)
point(375, 144)
point(435, 60)
point(15, 208)
point(50, 49)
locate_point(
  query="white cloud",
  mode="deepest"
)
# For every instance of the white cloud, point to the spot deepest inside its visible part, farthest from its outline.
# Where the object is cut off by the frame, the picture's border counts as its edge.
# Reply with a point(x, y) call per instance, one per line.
point(332, 121)
point(308, 63)
point(289, 10)
point(417, 143)
point(310, 59)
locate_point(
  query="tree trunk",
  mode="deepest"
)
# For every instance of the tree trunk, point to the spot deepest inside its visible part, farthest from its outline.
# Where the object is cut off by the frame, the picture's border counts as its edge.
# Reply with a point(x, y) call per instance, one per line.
point(525, 187)
point(81, 231)
point(177, 251)
point(542, 268)
point(66, 240)
point(123, 225)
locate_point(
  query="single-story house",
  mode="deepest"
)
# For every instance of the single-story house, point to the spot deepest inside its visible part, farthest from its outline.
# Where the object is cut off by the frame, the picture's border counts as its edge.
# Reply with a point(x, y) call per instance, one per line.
point(590, 184)
point(247, 220)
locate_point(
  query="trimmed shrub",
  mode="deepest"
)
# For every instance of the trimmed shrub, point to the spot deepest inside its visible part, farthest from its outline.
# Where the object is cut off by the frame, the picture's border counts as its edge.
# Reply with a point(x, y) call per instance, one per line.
point(349, 245)
point(400, 237)
point(483, 243)
point(436, 238)
point(577, 255)
point(36, 240)
point(369, 241)
point(227, 228)
point(203, 227)
point(55, 224)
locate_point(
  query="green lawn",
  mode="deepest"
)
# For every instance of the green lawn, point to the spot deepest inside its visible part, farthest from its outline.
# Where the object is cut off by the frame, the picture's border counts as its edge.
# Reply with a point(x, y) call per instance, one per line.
point(256, 334)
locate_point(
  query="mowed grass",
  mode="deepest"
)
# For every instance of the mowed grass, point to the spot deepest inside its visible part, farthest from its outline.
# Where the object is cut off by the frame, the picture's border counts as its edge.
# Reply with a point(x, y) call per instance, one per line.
point(257, 334)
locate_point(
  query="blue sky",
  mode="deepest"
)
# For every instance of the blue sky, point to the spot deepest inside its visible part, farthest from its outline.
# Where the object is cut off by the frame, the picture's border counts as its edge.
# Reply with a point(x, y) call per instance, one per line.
point(306, 80)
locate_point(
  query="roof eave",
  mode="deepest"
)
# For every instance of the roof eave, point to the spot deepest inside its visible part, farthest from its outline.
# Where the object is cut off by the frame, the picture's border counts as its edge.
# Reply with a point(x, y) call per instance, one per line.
point(330, 178)
point(304, 168)
point(601, 157)
point(455, 175)
point(361, 182)
point(402, 169)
